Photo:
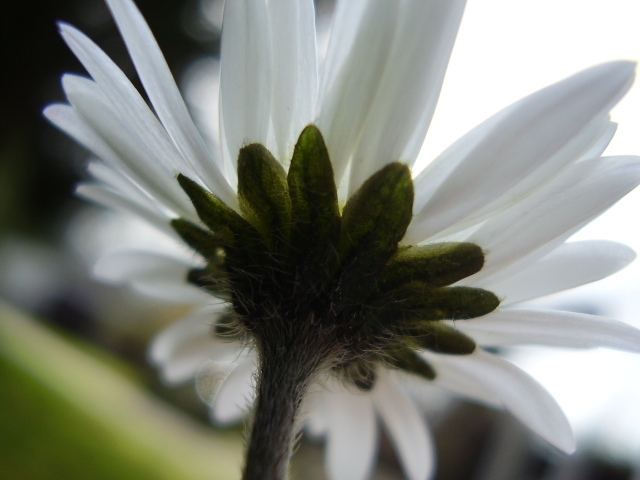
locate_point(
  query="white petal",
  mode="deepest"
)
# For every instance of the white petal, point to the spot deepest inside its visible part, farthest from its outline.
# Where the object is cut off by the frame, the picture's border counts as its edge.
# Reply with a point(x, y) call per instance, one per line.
point(352, 435)
point(316, 413)
point(116, 201)
point(181, 350)
point(545, 219)
point(127, 102)
point(528, 132)
point(156, 275)
point(408, 89)
point(295, 71)
point(406, 427)
point(245, 75)
point(590, 142)
point(358, 52)
point(180, 333)
point(210, 378)
point(518, 393)
point(67, 119)
point(451, 379)
point(570, 265)
point(166, 99)
point(132, 155)
point(556, 328)
point(236, 395)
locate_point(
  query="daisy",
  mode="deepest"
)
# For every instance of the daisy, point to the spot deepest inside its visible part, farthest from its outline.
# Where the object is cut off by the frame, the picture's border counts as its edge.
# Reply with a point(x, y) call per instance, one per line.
point(342, 275)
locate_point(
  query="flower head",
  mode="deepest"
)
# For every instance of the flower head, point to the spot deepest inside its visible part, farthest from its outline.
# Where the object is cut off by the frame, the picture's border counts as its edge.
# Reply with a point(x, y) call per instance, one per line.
point(340, 268)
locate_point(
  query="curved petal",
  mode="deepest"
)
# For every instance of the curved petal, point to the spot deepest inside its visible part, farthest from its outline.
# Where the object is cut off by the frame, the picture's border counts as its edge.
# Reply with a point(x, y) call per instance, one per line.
point(131, 153)
point(245, 77)
point(545, 219)
point(407, 428)
point(400, 111)
point(153, 274)
point(352, 435)
point(568, 266)
point(109, 198)
point(166, 99)
point(555, 328)
point(316, 414)
point(235, 396)
point(361, 39)
point(518, 393)
point(589, 143)
point(295, 71)
point(529, 131)
point(211, 377)
point(174, 337)
point(127, 103)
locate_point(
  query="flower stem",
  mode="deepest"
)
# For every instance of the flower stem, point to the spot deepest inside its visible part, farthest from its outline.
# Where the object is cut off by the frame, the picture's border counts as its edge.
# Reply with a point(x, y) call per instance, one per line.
point(285, 373)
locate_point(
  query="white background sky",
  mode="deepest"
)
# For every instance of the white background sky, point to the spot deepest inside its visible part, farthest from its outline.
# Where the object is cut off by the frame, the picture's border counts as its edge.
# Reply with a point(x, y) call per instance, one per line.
point(507, 49)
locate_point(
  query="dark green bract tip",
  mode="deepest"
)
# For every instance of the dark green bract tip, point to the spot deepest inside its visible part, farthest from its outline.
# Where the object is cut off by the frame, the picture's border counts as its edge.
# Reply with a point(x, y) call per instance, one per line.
point(263, 194)
point(442, 338)
point(303, 277)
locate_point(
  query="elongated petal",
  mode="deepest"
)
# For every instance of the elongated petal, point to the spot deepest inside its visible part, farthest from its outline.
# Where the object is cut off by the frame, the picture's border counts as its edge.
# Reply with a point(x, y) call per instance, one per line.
point(545, 219)
point(152, 274)
point(556, 328)
point(236, 394)
point(110, 198)
point(408, 89)
point(173, 337)
point(590, 142)
point(165, 96)
point(527, 133)
point(131, 153)
point(246, 76)
point(518, 393)
point(358, 52)
point(67, 119)
point(407, 428)
point(295, 71)
point(352, 436)
point(570, 265)
point(127, 103)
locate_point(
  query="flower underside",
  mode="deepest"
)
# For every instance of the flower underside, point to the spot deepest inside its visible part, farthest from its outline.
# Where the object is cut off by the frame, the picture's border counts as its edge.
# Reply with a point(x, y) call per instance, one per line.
point(301, 275)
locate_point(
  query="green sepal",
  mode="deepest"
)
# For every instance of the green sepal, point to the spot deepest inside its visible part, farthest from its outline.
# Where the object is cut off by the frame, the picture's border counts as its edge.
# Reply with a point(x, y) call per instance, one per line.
point(414, 303)
point(408, 360)
point(434, 265)
point(441, 338)
point(213, 279)
point(202, 241)
point(315, 230)
point(374, 220)
point(263, 195)
point(213, 212)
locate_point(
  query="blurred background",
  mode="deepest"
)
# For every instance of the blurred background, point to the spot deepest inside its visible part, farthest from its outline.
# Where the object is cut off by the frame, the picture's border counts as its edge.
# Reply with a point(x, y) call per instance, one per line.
point(77, 397)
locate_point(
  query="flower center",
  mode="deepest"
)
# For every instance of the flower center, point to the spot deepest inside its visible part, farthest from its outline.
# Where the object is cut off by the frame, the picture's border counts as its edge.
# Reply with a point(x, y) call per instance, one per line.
point(300, 274)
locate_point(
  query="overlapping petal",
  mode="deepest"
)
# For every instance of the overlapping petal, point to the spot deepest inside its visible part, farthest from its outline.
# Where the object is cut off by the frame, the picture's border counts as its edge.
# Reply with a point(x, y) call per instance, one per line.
point(166, 98)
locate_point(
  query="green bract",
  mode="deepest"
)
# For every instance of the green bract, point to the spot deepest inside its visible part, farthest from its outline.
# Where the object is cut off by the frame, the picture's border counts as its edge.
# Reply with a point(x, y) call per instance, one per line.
point(298, 272)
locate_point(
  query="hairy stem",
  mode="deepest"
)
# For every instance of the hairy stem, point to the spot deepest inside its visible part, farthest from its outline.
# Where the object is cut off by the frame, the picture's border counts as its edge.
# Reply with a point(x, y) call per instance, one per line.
point(285, 373)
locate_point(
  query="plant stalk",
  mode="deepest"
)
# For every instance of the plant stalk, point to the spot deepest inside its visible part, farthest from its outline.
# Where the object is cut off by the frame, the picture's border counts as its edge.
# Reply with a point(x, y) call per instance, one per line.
point(284, 376)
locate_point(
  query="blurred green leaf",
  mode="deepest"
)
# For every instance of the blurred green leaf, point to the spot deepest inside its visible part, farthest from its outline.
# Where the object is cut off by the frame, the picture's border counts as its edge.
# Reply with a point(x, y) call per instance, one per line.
point(65, 414)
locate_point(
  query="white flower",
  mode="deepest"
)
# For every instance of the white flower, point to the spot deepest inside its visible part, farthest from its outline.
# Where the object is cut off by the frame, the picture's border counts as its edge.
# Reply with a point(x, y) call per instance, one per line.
point(519, 185)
